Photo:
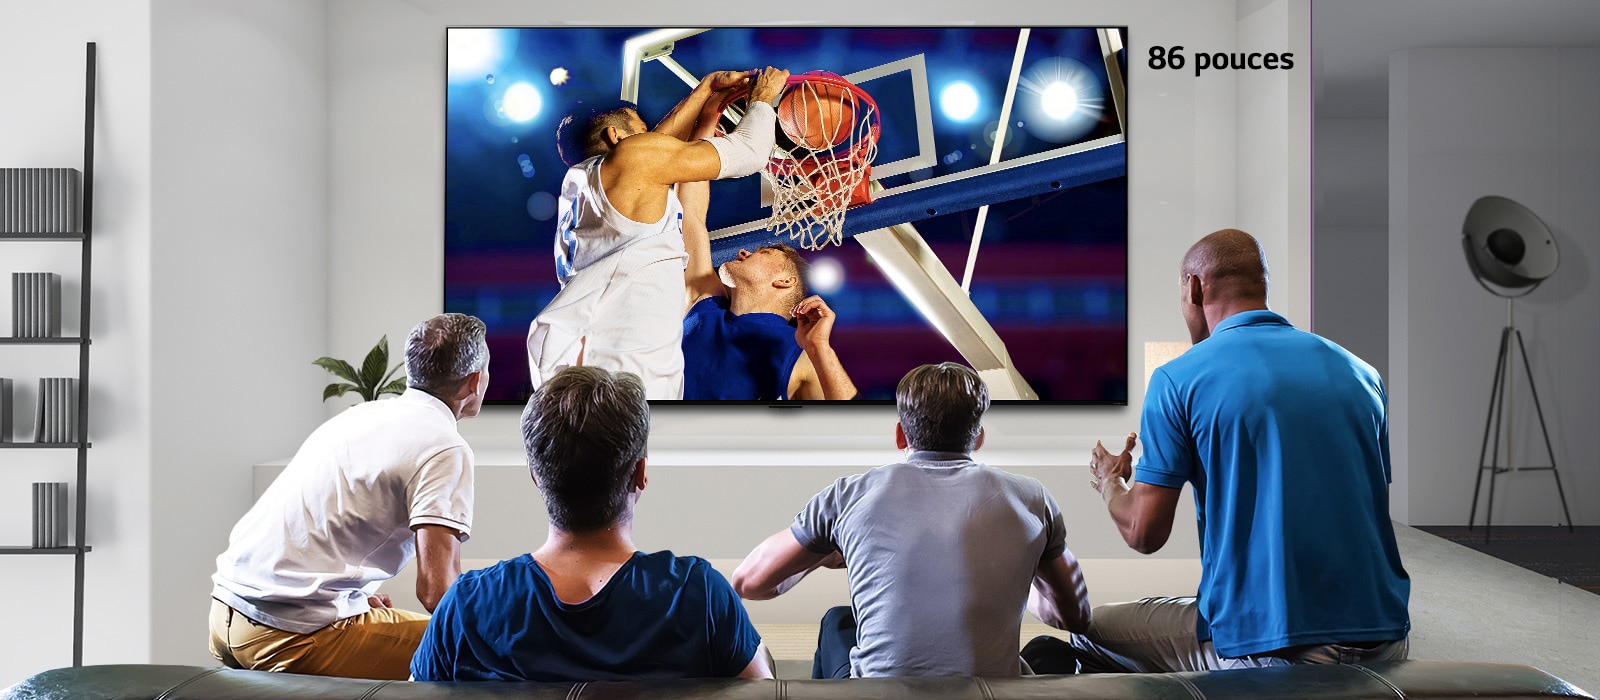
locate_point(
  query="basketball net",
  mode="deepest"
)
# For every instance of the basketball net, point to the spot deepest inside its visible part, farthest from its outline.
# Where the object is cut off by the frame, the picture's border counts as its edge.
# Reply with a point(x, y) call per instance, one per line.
point(832, 132)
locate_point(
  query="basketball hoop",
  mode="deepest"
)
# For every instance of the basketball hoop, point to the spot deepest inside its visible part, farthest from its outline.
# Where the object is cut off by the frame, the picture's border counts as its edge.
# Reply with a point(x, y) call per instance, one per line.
point(829, 137)
point(826, 140)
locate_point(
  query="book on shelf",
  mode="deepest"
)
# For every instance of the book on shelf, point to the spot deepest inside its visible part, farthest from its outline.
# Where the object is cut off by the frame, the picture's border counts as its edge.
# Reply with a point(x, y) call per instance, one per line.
point(38, 515)
point(58, 525)
point(57, 418)
point(39, 200)
point(7, 421)
point(49, 514)
point(35, 305)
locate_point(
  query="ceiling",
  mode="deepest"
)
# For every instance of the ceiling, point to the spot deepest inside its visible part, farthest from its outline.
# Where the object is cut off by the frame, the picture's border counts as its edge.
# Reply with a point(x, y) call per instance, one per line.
point(1352, 40)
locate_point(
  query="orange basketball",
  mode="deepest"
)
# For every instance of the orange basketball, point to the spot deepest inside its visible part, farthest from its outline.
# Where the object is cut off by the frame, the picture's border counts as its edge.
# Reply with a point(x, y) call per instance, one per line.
point(817, 115)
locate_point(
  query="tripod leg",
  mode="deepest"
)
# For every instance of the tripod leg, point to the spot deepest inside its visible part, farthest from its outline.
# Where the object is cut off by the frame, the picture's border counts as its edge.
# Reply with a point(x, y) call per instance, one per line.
point(1549, 449)
point(1499, 418)
point(1488, 421)
point(1488, 511)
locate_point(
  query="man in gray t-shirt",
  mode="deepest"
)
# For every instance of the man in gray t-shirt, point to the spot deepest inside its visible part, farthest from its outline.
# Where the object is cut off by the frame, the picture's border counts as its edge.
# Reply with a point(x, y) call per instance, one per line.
point(944, 553)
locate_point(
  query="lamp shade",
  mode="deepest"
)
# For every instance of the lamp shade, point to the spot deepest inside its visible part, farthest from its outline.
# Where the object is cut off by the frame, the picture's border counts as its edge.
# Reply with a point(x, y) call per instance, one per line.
point(1507, 245)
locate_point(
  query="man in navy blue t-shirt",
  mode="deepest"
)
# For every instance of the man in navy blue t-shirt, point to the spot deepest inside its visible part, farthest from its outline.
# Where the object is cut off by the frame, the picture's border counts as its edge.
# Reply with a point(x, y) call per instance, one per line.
point(1284, 437)
point(587, 606)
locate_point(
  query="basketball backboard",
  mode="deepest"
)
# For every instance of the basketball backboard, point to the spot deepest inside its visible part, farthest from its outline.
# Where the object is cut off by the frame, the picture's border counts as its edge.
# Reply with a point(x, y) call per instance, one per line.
point(1054, 96)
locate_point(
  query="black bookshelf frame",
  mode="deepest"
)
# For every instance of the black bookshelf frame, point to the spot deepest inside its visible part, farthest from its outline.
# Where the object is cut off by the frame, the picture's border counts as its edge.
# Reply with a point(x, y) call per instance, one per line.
point(85, 237)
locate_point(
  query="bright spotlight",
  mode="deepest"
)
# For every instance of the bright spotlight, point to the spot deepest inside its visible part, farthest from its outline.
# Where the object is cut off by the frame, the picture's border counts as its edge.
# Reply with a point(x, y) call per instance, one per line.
point(559, 76)
point(522, 102)
point(958, 101)
point(1059, 100)
point(470, 53)
point(827, 275)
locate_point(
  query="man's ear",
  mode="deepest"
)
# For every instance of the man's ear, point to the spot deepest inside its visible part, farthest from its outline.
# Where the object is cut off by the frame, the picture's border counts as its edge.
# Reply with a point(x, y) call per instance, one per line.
point(979, 443)
point(1197, 292)
point(900, 437)
point(786, 282)
point(470, 386)
point(612, 136)
point(639, 480)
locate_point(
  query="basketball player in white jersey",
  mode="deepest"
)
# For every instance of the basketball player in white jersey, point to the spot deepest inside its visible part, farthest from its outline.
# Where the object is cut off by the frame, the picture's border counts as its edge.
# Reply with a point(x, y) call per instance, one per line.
point(619, 243)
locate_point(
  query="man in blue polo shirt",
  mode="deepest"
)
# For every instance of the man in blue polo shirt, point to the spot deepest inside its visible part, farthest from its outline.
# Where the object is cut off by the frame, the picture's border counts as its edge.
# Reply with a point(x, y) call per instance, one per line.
point(587, 606)
point(1285, 439)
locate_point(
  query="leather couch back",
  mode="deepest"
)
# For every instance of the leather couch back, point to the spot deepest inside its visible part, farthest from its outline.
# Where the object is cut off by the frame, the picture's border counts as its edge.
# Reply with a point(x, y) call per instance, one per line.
point(1390, 680)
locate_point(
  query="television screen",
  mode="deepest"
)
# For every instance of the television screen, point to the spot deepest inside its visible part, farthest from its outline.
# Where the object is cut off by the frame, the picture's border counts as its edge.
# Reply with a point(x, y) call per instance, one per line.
point(928, 195)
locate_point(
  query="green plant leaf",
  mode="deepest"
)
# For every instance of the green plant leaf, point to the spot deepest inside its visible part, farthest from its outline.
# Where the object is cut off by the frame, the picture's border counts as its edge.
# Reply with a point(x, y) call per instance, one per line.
point(372, 367)
point(337, 389)
point(338, 368)
point(390, 376)
point(397, 386)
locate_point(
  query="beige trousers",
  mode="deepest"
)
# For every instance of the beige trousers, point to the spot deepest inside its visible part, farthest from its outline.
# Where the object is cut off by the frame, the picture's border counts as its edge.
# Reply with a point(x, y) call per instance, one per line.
point(377, 644)
point(1157, 635)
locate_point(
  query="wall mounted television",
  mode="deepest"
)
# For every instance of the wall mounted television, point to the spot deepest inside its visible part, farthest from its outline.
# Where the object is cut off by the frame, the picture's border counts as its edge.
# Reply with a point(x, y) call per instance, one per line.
point(1012, 260)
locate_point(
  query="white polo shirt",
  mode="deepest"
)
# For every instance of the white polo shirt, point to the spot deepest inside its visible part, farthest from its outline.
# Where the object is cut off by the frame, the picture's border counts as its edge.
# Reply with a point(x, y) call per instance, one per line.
point(337, 521)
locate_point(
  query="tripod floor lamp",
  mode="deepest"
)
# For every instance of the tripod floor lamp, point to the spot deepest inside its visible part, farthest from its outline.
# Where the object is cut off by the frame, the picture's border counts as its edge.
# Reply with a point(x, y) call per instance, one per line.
point(1510, 252)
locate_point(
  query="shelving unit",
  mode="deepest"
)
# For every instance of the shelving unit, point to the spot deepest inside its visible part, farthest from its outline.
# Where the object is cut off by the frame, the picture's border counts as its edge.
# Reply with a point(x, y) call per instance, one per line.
point(84, 237)
point(44, 550)
point(41, 236)
point(43, 341)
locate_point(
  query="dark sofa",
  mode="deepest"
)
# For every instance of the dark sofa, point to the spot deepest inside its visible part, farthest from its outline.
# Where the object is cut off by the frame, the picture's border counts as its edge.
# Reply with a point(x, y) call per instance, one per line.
point(1402, 679)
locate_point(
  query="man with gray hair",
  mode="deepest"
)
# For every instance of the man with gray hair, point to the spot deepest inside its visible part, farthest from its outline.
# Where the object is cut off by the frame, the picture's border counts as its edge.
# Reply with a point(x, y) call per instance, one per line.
point(588, 606)
point(943, 552)
point(372, 488)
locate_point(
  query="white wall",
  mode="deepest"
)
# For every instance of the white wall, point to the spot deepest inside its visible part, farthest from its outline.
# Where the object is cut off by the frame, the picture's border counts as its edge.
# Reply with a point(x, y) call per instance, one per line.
point(1351, 289)
point(239, 139)
point(1464, 123)
point(1274, 147)
point(41, 125)
point(386, 97)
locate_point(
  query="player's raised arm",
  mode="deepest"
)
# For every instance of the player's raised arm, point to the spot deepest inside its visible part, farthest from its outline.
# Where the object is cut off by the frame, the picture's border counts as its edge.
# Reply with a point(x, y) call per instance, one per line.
point(664, 159)
point(681, 121)
point(700, 275)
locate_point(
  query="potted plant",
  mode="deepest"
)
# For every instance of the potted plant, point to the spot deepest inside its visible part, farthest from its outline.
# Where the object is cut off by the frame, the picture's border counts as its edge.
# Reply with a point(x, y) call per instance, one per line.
point(371, 382)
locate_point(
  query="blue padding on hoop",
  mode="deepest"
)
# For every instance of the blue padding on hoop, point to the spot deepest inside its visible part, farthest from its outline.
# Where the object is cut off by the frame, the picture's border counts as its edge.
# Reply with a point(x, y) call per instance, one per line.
point(1042, 177)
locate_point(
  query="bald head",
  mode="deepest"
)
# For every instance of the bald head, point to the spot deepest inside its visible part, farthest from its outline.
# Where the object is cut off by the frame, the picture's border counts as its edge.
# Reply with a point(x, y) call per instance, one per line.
point(1230, 265)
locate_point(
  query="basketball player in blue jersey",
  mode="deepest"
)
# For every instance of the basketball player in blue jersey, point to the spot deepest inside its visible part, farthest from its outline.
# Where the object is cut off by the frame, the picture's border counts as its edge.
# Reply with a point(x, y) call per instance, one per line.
point(750, 331)
point(618, 247)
